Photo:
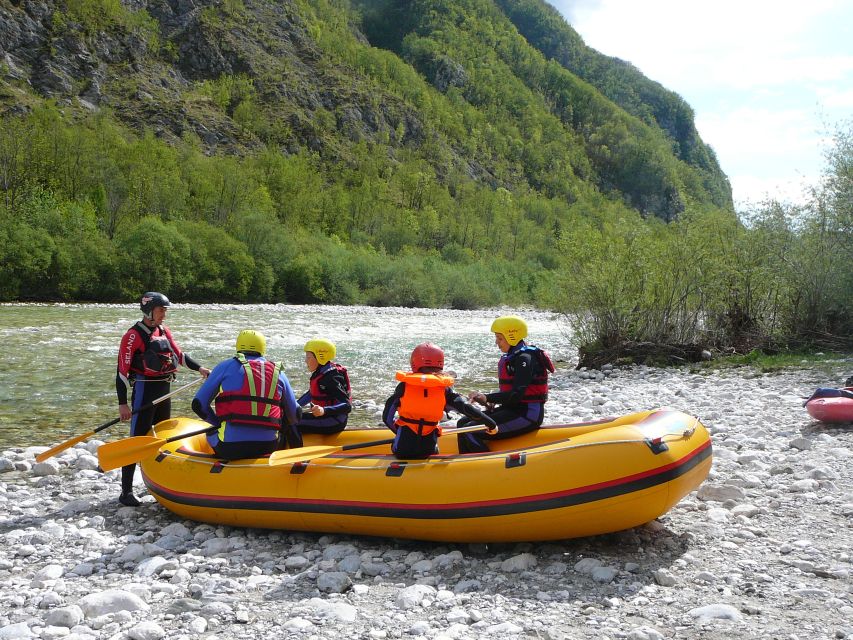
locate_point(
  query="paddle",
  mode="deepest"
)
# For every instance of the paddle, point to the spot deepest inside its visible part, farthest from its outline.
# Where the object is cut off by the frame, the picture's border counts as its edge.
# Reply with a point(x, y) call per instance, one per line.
point(304, 454)
point(113, 455)
point(62, 446)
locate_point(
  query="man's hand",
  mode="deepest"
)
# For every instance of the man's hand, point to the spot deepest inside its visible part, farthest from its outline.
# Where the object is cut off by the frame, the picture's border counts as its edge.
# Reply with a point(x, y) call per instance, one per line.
point(491, 427)
point(124, 412)
point(204, 371)
point(317, 411)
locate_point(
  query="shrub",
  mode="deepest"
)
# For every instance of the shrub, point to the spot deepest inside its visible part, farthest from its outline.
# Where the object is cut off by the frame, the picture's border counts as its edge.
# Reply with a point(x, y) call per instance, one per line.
point(154, 256)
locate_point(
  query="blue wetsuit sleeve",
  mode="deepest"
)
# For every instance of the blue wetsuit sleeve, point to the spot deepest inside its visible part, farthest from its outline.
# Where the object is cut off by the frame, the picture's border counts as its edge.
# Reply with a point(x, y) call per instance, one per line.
point(288, 405)
point(209, 390)
point(455, 401)
point(304, 398)
point(337, 409)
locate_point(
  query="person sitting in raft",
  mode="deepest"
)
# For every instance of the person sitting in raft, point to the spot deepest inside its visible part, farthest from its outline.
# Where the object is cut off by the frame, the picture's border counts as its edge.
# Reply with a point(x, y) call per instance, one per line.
point(419, 403)
point(519, 405)
point(328, 402)
point(252, 399)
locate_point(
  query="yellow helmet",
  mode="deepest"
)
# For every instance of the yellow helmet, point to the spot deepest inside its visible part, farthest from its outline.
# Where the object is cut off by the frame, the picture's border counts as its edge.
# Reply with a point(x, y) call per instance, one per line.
point(322, 349)
point(251, 340)
point(513, 328)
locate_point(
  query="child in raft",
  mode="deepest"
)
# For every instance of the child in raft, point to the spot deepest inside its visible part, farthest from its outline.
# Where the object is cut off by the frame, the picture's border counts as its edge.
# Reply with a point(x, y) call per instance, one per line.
point(328, 402)
point(419, 402)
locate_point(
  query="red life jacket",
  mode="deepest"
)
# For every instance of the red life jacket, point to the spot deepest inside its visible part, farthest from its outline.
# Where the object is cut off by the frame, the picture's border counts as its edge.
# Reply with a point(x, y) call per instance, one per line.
point(422, 404)
point(322, 399)
point(257, 402)
point(537, 390)
point(158, 359)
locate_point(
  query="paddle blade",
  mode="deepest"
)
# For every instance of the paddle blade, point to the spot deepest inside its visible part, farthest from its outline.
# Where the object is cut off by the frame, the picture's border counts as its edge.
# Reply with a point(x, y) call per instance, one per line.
point(128, 451)
point(302, 454)
point(62, 446)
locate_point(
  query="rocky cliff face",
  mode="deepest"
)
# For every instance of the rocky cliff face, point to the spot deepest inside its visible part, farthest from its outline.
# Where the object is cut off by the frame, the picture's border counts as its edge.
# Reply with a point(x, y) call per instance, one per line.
point(149, 75)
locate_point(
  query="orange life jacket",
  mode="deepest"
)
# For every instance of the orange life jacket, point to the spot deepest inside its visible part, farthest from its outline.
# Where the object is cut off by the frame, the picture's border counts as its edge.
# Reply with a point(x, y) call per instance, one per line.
point(422, 404)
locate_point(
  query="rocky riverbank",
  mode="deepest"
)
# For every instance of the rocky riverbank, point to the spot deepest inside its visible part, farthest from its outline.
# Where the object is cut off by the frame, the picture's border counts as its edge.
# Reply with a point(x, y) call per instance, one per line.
point(762, 550)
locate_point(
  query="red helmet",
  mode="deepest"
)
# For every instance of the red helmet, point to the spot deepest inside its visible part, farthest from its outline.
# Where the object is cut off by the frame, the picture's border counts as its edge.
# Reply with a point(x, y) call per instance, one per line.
point(427, 355)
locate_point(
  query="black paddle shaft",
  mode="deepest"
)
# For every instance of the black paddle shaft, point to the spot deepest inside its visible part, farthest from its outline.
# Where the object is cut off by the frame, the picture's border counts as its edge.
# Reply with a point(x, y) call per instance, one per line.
point(376, 443)
point(146, 406)
point(360, 445)
point(190, 434)
point(113, 421)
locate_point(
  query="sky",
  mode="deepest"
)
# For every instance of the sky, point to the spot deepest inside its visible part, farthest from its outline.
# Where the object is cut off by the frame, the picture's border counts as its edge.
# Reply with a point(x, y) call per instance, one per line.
point(768, 80)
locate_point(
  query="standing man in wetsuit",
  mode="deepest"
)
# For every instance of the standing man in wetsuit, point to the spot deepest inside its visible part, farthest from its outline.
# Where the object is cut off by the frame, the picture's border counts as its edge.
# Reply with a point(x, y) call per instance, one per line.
point(147, 361)
point(519, 405)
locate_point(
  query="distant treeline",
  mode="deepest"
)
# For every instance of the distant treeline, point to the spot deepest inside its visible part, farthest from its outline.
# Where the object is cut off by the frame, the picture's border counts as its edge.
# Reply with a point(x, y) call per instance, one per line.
point(92, 212)
point(89, 211)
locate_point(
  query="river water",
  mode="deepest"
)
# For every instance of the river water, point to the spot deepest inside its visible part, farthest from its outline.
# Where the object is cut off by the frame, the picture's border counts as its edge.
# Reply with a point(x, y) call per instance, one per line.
point(57, 361)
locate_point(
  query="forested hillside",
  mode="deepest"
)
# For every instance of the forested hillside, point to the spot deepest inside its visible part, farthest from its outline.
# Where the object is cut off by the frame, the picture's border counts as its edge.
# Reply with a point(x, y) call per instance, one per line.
point(313, 151)
point(423, 153)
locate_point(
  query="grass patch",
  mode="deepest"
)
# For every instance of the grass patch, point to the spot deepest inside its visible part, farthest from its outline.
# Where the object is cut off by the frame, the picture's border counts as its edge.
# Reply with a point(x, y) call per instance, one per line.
point(768, 363)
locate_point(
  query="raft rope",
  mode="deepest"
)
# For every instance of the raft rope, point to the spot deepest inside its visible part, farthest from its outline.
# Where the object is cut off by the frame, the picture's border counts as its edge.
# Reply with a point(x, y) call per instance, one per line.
point(666, 437)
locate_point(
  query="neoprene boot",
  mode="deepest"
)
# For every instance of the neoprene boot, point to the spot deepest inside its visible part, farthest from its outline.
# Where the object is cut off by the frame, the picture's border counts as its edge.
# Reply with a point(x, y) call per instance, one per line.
point(127, 498)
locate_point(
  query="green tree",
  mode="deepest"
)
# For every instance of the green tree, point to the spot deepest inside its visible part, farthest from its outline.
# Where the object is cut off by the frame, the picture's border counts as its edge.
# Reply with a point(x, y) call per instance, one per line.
point(155, 256)
point(223, 268)
point(26, 255)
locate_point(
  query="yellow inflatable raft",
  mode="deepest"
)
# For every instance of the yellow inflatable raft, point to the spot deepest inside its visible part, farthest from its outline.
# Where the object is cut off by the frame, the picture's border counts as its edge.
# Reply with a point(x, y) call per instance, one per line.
point(563, 481)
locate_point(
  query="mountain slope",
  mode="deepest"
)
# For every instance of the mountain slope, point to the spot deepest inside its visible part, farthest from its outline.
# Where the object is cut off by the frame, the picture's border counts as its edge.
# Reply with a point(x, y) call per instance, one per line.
point(545, 29)
point(477, 100)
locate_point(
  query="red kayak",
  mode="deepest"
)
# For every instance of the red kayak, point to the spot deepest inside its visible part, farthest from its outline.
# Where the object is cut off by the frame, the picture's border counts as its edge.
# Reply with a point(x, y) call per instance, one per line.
point(831, 405)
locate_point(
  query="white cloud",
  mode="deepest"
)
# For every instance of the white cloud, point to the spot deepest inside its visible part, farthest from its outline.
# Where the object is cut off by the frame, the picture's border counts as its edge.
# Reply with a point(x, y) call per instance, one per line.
point(765, 151)
point(749, 189)
point(740, 44)
point(836, 99)
point(759, 132)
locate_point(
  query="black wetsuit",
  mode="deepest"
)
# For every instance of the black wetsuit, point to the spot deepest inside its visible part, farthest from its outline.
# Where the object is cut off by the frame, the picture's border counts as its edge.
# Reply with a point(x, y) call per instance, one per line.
point(331, 384)
point(513, 416)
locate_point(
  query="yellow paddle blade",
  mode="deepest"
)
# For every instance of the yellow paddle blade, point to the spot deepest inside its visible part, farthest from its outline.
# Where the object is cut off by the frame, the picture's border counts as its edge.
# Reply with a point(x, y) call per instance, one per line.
point(62, 446)
point(128, 451)
point(289, 456)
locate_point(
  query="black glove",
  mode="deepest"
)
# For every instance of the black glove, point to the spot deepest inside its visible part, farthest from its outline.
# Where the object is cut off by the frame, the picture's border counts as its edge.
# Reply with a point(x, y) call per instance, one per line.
point(492, 426)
